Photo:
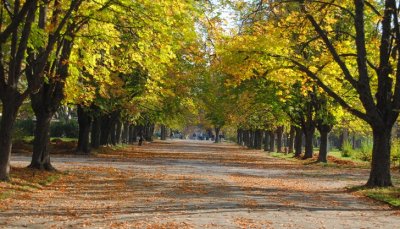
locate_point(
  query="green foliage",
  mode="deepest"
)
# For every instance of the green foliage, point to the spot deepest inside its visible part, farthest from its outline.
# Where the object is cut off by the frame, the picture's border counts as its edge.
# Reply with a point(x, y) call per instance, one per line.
point(23, 128)
point(365, 152)
point(64, 129)
point(395, 150)
point(347, 150)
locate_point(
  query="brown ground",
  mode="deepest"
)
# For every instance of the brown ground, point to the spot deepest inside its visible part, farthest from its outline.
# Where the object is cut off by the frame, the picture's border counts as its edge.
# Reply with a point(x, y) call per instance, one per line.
point(188, 184)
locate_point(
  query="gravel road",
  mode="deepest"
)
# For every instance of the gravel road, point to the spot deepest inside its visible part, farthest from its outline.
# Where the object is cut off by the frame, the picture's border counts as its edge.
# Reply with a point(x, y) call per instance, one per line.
point(195, 184)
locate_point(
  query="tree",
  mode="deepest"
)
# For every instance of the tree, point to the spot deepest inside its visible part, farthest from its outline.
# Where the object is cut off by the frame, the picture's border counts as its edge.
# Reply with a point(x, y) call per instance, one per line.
point(337, 45)
point(379, 111)
point(49, 74)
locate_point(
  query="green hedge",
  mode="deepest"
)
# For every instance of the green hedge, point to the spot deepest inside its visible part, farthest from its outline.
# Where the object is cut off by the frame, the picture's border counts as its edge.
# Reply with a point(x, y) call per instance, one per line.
point(68, 129)
point(23, 128)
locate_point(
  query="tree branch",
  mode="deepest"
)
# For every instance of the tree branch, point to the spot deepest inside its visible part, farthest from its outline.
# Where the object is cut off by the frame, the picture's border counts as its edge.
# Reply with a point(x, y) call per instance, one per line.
point(326, 88)
point(331, 48)
point(13, 26)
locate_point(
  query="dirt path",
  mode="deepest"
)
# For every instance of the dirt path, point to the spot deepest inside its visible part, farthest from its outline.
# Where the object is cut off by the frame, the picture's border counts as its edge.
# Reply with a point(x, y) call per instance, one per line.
point(186, 184)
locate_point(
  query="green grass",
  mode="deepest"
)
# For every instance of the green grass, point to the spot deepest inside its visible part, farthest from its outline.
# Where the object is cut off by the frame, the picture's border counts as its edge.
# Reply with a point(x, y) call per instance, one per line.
point(30, 139)
point(119, 146)
point(282, 155)
point(389, 195)
point(357, 163)
point(50, 179)
point(5, 195)
point(66, 139)
point(338, 154)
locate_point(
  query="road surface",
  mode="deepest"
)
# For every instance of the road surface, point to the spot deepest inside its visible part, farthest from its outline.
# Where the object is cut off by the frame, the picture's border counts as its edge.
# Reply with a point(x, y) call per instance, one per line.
point(195, 184)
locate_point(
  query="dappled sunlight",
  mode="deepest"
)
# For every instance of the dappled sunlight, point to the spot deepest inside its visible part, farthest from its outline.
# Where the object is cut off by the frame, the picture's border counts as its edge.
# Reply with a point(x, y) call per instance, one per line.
point(188, 185)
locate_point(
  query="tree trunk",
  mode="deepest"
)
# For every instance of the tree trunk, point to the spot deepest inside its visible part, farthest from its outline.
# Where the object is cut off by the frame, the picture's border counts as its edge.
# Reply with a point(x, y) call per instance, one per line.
point(323, 147)
point(241, 142)
point(163, 132)
point(251, 139)
point(119, 132)
point(105, 129)
point(9, 114)
point(133, 133)
point(271, 141)
point(113, 134)
point(380, 164)
point(148, 133)
point(258, 139)
point(309, 148)
point(113, 127)
point(84, 121)
point(245, 137)
point(96, 133)
point(279, 134)
point(217, 129)
point(298, 142)
point(344, 137)
point(139, 131)
point(41, 156)
point(131, 130)
point(291, 139)
point(266, 141)
point(125, 133)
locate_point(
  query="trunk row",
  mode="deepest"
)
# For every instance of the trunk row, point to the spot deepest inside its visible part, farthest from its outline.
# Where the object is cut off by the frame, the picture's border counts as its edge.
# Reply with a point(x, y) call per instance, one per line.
point(291, 142)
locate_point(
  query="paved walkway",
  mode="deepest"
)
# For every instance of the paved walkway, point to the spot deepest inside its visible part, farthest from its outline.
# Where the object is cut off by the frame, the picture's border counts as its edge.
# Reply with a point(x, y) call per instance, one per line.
point(194, 184)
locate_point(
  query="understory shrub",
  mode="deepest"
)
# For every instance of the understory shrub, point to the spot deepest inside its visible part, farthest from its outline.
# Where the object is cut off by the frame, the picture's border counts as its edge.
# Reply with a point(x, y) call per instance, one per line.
point(23, 128)
point(69, 129)
point(395, 151)
point(365, 152)
point(347, 149)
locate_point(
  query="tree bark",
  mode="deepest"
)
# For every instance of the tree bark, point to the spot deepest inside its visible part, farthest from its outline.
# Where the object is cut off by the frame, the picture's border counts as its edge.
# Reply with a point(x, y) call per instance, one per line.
point(133, 132)
point(245, 135)
point(380, 164)
point(113, 135)
point(105, 125)
point(298, 142)
point(149, 131)
point(271, 141)
point(125, 133)
point(41, 156)
point(118, 132)
point(258, 139)
point(309, 147)
point(113, 127)
point(84, 121)
point(279, 134)
point(291, 139)
point(217, 129)
point(238, 136)
point(138, 131)
point(251, 139)
point(266, 141)
point(9, 114)
point(323, 147)
point(163, 132)
point(96, 133)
